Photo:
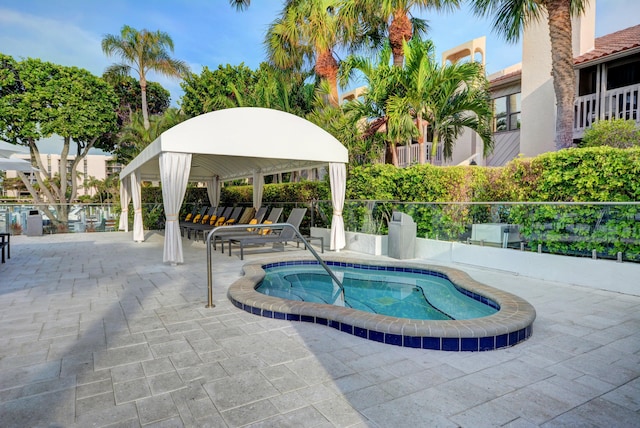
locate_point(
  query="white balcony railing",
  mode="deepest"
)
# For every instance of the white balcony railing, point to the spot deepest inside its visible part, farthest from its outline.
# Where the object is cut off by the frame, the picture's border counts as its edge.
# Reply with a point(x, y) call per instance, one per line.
point(410, 154)
point(619, 103)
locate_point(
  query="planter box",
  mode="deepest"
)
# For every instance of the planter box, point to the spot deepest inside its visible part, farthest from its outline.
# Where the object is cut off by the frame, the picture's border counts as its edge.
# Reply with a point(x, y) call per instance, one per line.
point(355, 241)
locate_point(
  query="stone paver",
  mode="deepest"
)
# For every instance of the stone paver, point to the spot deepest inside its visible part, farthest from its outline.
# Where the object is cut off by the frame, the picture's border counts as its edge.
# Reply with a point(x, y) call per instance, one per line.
point(96, 331)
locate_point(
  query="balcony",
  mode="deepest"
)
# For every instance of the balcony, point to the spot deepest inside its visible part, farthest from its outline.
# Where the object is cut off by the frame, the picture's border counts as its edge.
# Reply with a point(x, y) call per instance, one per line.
point(615, 103)
point(410, 154)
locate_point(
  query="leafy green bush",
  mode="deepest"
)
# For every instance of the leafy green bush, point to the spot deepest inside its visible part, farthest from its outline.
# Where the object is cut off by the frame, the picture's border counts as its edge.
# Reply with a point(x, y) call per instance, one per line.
point(619, 133)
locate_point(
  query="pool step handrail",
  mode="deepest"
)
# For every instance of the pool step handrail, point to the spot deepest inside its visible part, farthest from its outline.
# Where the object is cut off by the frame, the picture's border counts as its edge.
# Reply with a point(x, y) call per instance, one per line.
point(214, 231)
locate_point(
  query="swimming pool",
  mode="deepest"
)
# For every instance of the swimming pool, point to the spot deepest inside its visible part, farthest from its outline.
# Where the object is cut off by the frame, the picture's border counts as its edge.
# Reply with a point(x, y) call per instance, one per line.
point(415, 294)
point(511, 324)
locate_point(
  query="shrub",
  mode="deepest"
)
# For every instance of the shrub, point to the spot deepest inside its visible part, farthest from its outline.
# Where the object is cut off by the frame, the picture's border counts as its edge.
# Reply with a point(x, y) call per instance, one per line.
point(618, 133)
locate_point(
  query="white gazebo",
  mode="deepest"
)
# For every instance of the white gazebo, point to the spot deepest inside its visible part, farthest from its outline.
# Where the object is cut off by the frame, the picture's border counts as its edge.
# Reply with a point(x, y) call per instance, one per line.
point(226, 145)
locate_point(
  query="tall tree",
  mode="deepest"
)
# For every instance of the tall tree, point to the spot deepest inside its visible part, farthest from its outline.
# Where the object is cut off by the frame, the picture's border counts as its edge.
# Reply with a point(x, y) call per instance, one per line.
point(38, 100)
point(134, 137)
point(240, 4)
point(308, 30)
point(211, 90)
point(143, 51)
point(391, 18)
point(511, 17)
point(447, 97)
point(401, 101)
point(129, 94)
point(372, 113)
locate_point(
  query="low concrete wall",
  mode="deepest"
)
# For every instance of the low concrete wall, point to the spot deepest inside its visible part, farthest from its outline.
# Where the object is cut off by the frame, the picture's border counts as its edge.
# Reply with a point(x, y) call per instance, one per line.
point(360, 242)
point(599, 274)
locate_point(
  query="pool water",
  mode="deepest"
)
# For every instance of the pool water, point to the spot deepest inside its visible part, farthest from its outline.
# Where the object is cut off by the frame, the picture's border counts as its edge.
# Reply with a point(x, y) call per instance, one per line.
point(421, 295)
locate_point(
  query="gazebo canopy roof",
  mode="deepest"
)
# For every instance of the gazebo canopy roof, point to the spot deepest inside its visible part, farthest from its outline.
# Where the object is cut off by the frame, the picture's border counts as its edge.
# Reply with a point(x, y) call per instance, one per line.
point(234, 143)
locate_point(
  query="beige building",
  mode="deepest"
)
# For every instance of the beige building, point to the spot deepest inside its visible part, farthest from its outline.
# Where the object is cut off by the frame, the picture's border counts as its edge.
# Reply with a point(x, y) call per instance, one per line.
point(607, 86)
point(92, 166)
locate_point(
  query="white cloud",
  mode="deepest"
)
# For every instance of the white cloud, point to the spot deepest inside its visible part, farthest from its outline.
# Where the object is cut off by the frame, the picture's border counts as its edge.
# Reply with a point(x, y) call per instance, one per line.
point(60, 42)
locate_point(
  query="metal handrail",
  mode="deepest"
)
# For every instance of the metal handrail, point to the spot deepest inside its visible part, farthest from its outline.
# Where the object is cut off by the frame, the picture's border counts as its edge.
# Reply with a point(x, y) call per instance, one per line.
point(214, 231)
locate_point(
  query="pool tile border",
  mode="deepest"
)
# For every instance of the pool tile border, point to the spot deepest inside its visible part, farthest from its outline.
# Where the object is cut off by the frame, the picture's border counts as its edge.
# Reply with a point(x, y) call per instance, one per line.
point(512, 323)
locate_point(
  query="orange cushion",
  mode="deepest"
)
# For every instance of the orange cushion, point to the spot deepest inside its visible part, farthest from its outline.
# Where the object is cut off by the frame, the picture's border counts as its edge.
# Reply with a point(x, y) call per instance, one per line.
point(266, 230)
point(205, 219)
point(212, 220)
point(188, 217)
point(197, 218)
point(220, 221)
point(253, 221)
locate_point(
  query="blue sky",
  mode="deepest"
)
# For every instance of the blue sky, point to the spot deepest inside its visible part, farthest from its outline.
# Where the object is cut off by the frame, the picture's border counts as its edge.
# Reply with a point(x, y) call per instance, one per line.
point(211, 33)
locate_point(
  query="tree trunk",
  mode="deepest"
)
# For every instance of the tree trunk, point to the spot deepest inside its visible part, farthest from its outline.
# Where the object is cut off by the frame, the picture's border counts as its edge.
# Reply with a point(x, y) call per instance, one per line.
point(327, 68)
point(562, 70)
point(421, 138)
point(145, 107)
point(434, 149)
point(394, 154)
point(400, 31)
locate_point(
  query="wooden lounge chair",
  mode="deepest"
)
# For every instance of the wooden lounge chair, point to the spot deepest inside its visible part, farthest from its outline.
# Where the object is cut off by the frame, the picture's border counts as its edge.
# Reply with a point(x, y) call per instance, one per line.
point(274, 217)
point(283, 237)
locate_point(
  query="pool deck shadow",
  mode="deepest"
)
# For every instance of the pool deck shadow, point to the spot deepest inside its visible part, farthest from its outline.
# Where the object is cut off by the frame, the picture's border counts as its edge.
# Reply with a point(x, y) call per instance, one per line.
point(96, 331)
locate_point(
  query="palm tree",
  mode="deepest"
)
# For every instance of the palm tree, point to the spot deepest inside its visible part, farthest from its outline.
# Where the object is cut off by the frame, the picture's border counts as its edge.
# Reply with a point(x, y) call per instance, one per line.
point(447, 97)
point(400, 101)
point(143, 51)
point(240, 4)
point(374, 113)
point(392, 18)
point(135, 137)
point(512, 16)
point(308, 30)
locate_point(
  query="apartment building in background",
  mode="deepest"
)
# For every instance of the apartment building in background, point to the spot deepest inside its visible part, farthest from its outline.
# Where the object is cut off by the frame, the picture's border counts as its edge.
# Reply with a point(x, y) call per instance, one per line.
point(92, 166)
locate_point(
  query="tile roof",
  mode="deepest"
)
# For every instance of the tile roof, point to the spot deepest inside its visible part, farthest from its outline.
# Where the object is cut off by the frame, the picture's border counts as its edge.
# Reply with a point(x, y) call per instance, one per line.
point(612, 43)
point(505, 77)
point(609, 44)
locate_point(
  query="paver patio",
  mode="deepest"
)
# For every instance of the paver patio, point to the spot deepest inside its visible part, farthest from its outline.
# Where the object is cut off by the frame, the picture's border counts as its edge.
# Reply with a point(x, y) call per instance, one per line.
point(96, 331)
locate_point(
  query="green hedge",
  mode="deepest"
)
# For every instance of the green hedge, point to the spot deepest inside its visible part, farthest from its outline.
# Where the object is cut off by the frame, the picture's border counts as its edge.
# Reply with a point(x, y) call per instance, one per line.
point(601, 174)
point(598, 174)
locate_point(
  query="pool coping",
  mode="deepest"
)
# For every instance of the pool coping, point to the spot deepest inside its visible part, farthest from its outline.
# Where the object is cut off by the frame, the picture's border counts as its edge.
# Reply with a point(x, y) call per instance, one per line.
point(512, 323)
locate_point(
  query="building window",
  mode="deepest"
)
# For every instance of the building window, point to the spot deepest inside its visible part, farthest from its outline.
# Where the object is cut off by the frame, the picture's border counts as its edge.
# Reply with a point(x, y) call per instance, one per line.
point(506, 113)
point(623, 73)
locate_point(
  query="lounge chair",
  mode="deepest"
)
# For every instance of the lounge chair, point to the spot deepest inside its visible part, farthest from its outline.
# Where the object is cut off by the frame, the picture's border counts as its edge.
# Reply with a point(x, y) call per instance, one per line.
point(198, 220)
point(192, 218)
point(222, 235)
point(244, 218)
point(219, 215)
point(283, 237)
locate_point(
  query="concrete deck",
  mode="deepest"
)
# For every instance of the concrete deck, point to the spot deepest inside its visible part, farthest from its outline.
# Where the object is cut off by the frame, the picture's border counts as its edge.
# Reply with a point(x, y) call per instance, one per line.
point(96, 331)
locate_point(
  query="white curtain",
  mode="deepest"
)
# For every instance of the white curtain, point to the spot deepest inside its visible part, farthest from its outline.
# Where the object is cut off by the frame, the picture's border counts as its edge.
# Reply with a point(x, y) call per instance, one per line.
point(338, 179)
point(125, 198)
point(258, 187)
point(174, 175)
point(213, 190)
point(138, 230)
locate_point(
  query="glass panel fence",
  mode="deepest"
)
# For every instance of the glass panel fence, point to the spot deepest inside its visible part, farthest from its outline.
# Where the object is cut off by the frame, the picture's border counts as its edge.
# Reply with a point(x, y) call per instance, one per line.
point(602, 230)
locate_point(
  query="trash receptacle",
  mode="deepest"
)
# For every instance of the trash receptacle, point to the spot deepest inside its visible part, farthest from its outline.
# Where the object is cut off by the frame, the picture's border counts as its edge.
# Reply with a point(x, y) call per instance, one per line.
point(34, 223)
point(402, 236)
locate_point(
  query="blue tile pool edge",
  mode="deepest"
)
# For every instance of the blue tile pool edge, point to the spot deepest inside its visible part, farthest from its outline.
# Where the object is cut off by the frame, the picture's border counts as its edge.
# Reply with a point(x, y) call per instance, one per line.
point(470, 344)
point(505, 329)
